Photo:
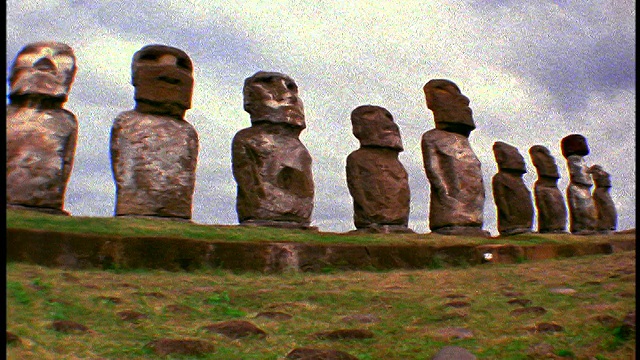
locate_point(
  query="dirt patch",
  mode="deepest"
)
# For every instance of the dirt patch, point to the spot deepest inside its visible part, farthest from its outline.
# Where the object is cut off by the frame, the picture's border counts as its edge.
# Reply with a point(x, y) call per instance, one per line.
point(343, 334)
point(318, 354)
point(164, 347)
point(236, 329)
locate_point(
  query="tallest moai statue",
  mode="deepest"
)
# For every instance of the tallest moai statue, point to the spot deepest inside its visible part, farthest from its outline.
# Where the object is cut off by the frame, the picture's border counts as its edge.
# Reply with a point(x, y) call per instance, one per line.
point(154, 151)
point(41, 135)
point(582, 209)
point(453, 169)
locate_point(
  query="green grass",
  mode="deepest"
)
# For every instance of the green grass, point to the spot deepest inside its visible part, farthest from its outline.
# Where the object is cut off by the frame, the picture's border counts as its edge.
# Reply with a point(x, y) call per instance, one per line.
point(411, 306)
point(113, 226)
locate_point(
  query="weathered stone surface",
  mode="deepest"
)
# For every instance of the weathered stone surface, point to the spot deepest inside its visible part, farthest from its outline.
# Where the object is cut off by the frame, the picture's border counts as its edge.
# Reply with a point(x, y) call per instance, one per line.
point(319, 354)
point(546, 327)
point(510, 194)
point(582, 210)
point(550, 204)
point(535, 310)
point(154, 151)
point(274, 315)
point(453, 353)
point(271, 166)
point(236, 329)
point(194, 347)
point(41, 135)
point(377, 181)
point(130, 315)
point(452, 168)
point(606, 214)
point(68, 326)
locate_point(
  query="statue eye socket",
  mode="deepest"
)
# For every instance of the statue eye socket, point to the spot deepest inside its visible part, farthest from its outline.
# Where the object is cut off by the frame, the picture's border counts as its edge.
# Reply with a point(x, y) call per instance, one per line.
point(183, 63)
point(292, 86)
point(149, 57)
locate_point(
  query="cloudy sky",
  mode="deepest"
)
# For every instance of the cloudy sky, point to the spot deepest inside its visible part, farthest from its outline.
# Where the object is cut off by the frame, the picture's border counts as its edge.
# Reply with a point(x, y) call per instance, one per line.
point(535, 71)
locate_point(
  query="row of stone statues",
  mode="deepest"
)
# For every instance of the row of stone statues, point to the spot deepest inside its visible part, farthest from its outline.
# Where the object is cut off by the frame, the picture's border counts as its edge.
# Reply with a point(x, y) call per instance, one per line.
point(154, 155)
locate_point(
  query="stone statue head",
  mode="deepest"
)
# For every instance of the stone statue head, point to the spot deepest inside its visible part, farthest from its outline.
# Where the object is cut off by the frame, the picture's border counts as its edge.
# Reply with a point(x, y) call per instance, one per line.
point(273, 97)
point(544, 162)
point(451, 111)
point(163, 80)
point(574, 144)
point(508, 158)
point(374, 126)
point(600, 177)
point(44, 69)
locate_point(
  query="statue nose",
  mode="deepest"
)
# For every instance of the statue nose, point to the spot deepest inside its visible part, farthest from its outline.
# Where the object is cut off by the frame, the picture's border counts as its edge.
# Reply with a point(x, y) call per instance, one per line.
point(44, 64)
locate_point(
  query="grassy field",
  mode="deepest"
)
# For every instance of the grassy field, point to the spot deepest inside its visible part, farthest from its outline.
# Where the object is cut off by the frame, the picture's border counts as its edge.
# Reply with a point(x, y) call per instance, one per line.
point(113, 226)
point(415, 313)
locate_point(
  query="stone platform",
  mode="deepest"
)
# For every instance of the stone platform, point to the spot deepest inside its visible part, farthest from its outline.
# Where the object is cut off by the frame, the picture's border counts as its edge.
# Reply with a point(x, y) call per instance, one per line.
point(83, 251)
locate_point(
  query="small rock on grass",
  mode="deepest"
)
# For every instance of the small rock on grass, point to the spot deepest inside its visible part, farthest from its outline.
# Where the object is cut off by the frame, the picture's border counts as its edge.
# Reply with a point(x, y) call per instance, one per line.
point(453, 353)
point(235, 329)
point(130, 315)
point(562, 291)
point(180, 309)
point(165, 347)
point(318, 354)
point(535, 310)
point(457, 304)
point(68, 326)
point(344, 334)
point(13, 338)
point(546, 327)
point(361, 318)
point(275, 315)
point(521, 302)
point(455, 333)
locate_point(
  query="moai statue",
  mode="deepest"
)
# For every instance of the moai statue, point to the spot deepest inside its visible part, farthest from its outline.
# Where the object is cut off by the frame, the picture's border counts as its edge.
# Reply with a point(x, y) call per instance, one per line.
point(154, 151)
point(607, 216)
point(582, 210)
point(453, 169)
point(377, 181)
point(271, 166)
point(550, 204)
point(41, 135)
point(510, 194)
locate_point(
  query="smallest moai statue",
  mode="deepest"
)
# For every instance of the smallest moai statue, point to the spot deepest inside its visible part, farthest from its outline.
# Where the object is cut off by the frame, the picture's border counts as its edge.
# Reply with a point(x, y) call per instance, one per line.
point(550, 204)
point(511, 196)
point(377, 181)
point(607, 217)
point(582, 210)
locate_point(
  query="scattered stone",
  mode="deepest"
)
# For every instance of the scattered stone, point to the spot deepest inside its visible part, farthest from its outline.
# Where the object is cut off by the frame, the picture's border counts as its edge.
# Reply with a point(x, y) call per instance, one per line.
point(111, 299)
point(318, 354)
point(457, 304)
point(155, 174)
point(164, 347)
point(512, 293)
point(13, 338)
point(91, 286)
point(377, 181)
point(535, 310)
point(127, 285)
point(550, 204)
point(130, 315)
point(521, 302)
point(154, 294)
point(563, 291)
point(271, 166)
point(546, 327)
point(236, 329)
point(67, 326)
point(275, 315)
point(455, 333)
point(606, 320)
point(452, 168)
point(453, 353)
point(455, 296)
point(361, 318)
point(344, 334)
point(70, 278)
point(541, 351)
point(180, 309)
point(511, 196)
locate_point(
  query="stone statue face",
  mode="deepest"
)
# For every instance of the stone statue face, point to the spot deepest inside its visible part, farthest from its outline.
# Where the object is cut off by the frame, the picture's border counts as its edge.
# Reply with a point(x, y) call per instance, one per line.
point(544, 162)
point(374, 126)
point(508, 157)
point(578, 171)
point(574, 144)
point(43, 68)
point(163, 75)
point(600, 177)
point(273, 97)
point(450, 108)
